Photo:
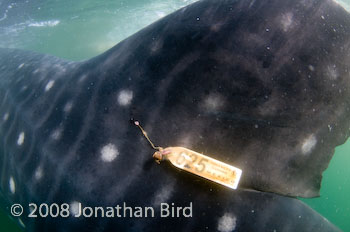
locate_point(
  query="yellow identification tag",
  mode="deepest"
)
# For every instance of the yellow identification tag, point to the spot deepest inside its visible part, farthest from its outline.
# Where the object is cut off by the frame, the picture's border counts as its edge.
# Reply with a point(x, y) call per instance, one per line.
point(197, 163)
point(201, 165)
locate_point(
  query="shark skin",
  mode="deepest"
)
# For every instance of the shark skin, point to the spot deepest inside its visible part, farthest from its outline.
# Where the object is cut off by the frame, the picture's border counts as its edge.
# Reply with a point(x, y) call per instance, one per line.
point(261, 85)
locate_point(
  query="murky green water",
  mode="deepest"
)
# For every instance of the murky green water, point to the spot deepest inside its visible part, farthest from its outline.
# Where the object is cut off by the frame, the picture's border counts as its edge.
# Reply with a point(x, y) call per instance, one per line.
point(81, 29)
point(334, 202)
point(78, 29)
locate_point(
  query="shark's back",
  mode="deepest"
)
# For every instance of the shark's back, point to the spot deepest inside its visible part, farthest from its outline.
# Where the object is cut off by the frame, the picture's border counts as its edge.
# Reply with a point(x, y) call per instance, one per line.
point(256, 84)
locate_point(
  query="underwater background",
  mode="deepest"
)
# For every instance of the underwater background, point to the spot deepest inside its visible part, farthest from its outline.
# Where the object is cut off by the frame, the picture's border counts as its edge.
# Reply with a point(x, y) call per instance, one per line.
point(81, 29)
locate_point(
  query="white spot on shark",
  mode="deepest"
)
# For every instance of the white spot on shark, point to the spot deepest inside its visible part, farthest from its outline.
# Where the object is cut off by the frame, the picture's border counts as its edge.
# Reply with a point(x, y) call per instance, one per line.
point(36, 71)
point(38, 173)
point(60, 68)
point(163, 194)
point(330, 128)
point(74, 207)
point(185, 140)
point(332, 72)
point(215, 27)
point(12, 185)
point(287, 21)
point(20, 66)
point(109, 152)
point(68, 107)
point(227, 223)
point(309, 144)
point(125, 97)
point(24, 88)
point(56, 134)
point(156, 45)
point(49, 85)
point(213, 102)
point(20, 139)
point(6, 117)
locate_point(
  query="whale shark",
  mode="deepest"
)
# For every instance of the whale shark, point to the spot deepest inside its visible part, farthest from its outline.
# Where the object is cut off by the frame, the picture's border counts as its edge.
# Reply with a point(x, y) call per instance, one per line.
point(260, 85)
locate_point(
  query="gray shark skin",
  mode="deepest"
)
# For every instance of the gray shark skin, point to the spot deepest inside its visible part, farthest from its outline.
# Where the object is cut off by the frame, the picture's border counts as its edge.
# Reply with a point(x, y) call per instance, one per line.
point(262, 85)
